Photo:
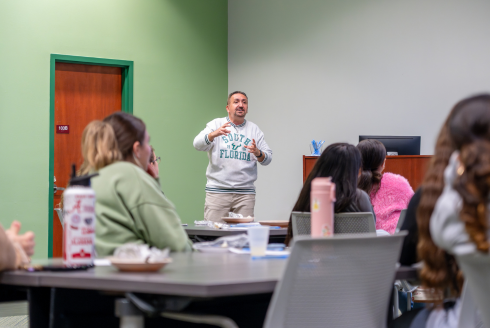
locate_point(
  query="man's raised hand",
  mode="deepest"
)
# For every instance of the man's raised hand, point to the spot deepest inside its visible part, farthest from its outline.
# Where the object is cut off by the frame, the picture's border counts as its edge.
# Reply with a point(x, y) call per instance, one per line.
point(222, 131)
point(253, 149)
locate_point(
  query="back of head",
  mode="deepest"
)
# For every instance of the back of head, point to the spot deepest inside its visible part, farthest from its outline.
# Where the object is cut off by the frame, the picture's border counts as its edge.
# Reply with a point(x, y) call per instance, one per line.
point(470, 132)
point(341, 161)
point(373, 154)
point(99, 147)
point(128, 129)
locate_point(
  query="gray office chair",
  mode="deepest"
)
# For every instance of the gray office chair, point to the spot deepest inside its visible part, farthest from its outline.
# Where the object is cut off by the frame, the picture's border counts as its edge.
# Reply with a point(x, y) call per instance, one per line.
point(342, 281)
point(403, 213)
point(476, 270)
point(402, 285)
point(362, 222)
point(469, 315)
point(301, 222)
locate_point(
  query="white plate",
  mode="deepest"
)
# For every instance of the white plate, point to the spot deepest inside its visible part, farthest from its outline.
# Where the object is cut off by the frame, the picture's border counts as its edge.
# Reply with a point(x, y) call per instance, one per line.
point(128, 265)
point(237, 220)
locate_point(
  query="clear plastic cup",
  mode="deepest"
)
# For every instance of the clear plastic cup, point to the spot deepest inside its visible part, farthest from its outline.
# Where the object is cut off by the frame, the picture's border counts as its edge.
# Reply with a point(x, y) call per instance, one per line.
point(258, 238)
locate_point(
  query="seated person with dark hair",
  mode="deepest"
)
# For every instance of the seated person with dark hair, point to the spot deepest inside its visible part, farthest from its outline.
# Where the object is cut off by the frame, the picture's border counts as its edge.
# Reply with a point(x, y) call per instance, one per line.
point(341, 162)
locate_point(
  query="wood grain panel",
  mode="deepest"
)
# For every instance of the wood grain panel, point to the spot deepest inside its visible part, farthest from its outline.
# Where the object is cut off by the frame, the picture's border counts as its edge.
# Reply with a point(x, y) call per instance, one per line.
point(83, 93)
point(413, 168)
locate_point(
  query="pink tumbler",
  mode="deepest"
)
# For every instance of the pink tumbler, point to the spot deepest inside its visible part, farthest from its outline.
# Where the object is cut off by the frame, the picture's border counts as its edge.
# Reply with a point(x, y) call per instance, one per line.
point(322, 197)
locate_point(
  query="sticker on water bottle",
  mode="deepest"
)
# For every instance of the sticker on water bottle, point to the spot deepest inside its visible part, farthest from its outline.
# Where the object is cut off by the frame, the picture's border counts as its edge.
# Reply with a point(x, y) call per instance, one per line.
point(326, 231)
point(316, 205)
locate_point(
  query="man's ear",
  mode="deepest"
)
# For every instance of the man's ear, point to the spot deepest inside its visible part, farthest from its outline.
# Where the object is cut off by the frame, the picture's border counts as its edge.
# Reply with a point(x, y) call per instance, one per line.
point(136, 149)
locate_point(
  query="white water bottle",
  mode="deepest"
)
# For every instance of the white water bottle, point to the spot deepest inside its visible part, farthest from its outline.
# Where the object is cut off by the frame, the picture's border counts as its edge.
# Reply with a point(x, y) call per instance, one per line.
point(79, 221)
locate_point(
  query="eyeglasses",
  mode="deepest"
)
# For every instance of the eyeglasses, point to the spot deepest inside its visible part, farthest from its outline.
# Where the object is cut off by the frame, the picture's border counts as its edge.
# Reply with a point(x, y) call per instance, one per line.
point(157, 160)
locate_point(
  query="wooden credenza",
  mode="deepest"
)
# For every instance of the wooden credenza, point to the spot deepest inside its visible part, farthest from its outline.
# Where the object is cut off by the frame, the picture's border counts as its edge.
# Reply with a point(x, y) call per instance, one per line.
point(412, 167)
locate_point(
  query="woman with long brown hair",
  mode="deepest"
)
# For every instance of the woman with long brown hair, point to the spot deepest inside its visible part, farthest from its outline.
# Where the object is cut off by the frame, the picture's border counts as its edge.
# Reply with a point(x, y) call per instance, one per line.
point(460, 221)
point(341, 162)
point(466, 127)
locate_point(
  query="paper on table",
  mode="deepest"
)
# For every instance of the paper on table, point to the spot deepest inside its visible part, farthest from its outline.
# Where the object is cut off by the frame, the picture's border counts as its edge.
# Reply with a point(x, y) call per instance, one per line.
point(102, 262)
point(246, 225)
point(247, 251)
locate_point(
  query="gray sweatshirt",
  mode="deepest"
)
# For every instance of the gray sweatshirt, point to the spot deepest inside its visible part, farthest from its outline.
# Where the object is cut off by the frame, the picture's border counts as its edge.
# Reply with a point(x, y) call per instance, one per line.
point(232, 169)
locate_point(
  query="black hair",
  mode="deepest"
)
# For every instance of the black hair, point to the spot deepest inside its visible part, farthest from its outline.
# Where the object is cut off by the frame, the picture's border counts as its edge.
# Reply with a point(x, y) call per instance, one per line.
point(373, 154)
point(341, 162)
point(234, 93)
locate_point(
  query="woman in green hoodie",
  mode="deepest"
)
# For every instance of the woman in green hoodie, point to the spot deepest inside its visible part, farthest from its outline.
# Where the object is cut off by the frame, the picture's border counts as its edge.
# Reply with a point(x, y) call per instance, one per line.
point(130, 206)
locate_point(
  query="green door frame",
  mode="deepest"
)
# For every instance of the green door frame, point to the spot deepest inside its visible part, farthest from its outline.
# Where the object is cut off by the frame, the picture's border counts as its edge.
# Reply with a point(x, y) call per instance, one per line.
point(127, 106)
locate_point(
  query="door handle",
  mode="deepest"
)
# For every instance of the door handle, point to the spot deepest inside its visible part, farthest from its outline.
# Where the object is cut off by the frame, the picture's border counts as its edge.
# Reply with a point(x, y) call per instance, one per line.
point(57, 188)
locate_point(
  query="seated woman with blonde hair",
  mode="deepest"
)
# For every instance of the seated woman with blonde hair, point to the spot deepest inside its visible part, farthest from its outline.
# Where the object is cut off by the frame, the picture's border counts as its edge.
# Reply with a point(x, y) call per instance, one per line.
point(130, 206)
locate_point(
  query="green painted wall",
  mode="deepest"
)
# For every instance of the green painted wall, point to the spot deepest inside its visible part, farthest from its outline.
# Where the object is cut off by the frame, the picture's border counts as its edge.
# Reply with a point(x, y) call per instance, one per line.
point(179, 49)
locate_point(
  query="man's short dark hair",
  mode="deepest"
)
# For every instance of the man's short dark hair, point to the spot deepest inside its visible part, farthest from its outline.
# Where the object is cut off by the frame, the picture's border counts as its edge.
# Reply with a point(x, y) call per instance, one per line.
point(234, 93)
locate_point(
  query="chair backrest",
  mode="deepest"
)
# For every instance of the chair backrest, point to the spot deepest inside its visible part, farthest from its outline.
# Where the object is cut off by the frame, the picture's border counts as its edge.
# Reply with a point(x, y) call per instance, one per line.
point(403, 213)
point(468, 313)
point(361, 222)
point(476, 270)
point(301, 222)
point(342, 281)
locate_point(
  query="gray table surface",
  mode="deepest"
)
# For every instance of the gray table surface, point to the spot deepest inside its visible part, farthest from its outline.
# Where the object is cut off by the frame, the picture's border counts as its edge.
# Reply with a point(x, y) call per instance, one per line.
point(207, 231)
point(190, 274)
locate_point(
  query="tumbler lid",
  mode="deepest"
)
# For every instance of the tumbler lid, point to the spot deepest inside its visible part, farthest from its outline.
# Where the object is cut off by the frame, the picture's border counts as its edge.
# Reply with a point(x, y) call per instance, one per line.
point(83, 180)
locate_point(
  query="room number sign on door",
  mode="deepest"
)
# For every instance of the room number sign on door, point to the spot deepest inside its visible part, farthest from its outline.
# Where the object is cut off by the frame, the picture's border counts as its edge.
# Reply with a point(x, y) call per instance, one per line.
point(62, 129)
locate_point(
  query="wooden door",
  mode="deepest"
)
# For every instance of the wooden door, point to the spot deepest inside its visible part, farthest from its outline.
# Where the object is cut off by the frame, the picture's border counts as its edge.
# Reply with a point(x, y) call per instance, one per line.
point(83, 93)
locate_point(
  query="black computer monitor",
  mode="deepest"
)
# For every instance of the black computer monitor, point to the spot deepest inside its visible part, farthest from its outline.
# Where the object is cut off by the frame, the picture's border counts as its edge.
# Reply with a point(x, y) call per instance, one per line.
point(401, 145)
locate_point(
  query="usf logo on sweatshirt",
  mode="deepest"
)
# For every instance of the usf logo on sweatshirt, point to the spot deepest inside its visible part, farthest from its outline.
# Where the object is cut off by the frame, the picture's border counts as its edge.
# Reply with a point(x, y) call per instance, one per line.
point(235, 149)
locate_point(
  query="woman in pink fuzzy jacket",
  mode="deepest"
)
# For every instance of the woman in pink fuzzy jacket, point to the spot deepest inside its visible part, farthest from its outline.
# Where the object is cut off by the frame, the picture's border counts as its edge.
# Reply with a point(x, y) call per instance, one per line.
point(390, 193)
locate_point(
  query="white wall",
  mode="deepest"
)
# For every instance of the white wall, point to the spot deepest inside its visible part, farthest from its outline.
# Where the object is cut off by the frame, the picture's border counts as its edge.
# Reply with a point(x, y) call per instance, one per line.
point(334, 69)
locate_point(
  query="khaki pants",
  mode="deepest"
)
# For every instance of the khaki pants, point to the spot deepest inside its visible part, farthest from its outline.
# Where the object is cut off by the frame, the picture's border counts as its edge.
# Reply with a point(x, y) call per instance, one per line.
point(217, 205)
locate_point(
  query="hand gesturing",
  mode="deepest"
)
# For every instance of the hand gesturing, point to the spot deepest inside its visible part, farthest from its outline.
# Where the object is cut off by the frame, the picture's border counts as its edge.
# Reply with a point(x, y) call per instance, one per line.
point(222, 131)
point(26, 240)
point(253, 148)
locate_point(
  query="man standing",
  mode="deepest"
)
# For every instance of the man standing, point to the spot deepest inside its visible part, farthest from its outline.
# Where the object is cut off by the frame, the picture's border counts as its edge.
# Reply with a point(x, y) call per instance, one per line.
point(234, 147)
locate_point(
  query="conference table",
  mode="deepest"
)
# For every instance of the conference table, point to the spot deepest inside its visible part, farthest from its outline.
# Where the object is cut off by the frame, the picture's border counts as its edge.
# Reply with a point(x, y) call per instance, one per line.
point(194, 275)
